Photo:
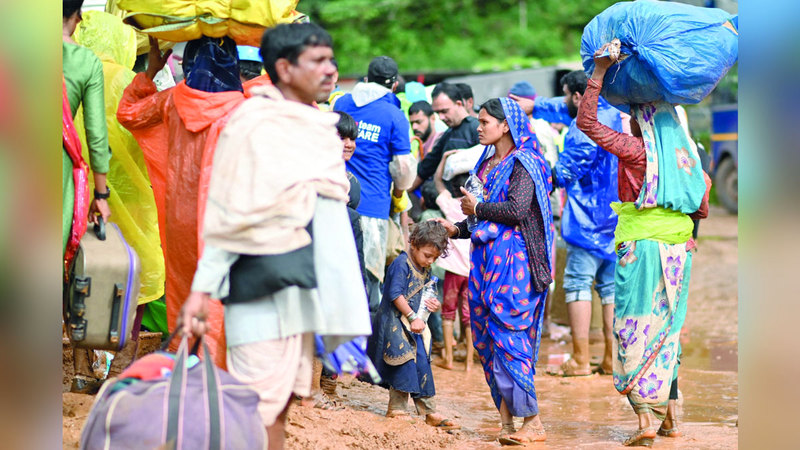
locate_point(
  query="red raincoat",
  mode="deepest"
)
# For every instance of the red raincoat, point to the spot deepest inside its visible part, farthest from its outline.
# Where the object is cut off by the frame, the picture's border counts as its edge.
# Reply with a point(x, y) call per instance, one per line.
point(177, 130)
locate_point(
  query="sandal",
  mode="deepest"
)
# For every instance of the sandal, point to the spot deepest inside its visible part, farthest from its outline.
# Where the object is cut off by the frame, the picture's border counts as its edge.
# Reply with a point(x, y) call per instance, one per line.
point(505, 435)
point(670, 433)
point(602, 371)
point(642, 438)
point(443, 424)
point(85, 385)
point(327, 403)
point(570, 369)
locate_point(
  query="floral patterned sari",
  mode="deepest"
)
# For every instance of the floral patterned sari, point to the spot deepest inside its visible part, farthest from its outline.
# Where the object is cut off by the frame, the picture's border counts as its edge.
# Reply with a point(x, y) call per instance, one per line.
point(653, 271)
point(505, 311)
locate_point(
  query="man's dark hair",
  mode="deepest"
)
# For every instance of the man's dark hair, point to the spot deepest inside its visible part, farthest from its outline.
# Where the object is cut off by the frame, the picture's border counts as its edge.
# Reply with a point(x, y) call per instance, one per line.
point(494, 108)
point(450, 90)
point(249, 69)
point(466, 91)
point(575, 81)
point(456, 183)
point(346, 126)
point(288, 41)
point(70, 7)
point(401, 84)
point(420, 106)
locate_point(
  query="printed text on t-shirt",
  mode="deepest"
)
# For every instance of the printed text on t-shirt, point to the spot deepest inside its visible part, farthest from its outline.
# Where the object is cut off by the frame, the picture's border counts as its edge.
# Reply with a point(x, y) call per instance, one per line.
point(368, 131)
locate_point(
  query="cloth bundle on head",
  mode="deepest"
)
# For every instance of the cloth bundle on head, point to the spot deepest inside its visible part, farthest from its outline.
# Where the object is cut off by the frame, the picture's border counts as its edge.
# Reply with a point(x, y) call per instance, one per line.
point(212, 65)
point(523, 89)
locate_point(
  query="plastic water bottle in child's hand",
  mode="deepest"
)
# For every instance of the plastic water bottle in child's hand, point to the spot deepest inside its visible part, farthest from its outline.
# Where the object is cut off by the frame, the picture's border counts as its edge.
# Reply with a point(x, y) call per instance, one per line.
point(429, 291)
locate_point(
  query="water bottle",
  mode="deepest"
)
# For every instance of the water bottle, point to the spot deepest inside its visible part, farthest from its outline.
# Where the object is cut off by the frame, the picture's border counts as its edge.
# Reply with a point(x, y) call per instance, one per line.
point(429, 291)
point(474, 187)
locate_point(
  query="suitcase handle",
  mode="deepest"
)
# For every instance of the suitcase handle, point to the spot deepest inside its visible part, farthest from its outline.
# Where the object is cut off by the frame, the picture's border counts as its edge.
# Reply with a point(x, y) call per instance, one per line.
point(116, 303)
point(177, 386)
point(100, 228)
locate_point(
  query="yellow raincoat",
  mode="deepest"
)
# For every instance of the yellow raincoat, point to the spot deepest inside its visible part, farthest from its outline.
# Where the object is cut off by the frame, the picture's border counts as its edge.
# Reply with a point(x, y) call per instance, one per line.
point(132, 203)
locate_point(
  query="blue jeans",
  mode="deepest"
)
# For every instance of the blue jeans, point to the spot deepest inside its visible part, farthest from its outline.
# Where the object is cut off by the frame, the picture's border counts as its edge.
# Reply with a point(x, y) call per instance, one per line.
point(582, 268)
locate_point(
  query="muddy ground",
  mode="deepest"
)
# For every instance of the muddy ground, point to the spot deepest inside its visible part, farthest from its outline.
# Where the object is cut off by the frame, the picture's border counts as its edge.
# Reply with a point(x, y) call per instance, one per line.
point(577, 412)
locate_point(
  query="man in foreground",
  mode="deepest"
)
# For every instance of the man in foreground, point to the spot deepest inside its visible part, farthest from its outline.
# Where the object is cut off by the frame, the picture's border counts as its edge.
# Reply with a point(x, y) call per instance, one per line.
point(277, 166)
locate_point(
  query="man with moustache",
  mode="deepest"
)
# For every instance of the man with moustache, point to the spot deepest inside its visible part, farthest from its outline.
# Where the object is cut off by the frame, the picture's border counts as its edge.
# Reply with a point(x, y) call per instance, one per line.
point(462, 133)
point(420, 115)
point(275, 219)
point(589, 175)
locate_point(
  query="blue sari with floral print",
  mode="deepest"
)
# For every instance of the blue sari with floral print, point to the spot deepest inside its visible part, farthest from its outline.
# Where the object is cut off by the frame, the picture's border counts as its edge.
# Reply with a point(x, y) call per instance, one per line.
point(505, 312)
point(653, 270)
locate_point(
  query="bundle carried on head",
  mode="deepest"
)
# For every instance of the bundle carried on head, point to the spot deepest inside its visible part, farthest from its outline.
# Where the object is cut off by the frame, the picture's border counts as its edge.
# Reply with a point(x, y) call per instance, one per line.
point(186, 20)
point(672, 51)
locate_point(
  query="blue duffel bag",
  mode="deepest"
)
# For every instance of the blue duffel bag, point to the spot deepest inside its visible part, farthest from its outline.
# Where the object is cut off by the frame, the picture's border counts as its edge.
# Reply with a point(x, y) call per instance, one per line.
point(675, 52)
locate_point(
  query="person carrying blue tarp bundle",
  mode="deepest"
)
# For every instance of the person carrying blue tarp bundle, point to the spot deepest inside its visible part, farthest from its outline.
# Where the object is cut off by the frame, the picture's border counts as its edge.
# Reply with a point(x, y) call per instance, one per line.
point(589, 176)
point(647, 56)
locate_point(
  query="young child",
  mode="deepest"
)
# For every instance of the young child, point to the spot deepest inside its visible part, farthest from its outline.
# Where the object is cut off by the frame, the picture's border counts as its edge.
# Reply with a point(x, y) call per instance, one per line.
point(348, 131)
point(400, 343)
point(456, 266)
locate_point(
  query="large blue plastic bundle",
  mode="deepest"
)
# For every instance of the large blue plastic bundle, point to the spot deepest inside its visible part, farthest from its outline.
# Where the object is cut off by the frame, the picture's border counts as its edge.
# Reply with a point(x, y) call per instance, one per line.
point(676, 52)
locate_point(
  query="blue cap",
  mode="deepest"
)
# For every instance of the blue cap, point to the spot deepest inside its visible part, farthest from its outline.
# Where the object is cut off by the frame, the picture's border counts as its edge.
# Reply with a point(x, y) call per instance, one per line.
point(415, 91)
point(248, 53)
point(523, 89)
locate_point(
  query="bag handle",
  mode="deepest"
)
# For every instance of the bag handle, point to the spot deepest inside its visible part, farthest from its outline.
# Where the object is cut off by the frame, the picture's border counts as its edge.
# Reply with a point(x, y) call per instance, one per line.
point(177, 392)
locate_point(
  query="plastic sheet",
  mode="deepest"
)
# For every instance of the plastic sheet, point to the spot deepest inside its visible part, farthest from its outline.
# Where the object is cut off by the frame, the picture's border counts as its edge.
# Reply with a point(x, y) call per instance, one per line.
point(185, 20)
point(676, 52)
point(132, 203)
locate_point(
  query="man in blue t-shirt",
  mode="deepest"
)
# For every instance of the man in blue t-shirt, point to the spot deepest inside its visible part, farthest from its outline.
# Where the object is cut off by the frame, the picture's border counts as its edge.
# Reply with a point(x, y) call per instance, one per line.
point(383, 157)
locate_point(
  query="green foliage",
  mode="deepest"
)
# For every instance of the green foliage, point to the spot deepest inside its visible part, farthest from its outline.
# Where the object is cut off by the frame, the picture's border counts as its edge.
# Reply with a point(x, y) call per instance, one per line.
point(439, 35)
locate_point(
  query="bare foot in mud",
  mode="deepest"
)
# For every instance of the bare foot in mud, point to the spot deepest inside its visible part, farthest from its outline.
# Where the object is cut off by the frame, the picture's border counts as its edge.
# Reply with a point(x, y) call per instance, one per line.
point(532, 431)
point(444, 365)
point(642, 438)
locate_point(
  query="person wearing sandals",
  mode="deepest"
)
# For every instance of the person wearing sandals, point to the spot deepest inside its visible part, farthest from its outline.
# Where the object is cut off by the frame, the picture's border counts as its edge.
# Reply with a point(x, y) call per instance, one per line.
point(663, 189)
point(510, 273)
point(400, 346)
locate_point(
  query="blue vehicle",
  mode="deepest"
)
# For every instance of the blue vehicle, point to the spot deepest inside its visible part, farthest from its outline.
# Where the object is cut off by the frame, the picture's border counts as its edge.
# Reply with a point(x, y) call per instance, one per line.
point(725, 154)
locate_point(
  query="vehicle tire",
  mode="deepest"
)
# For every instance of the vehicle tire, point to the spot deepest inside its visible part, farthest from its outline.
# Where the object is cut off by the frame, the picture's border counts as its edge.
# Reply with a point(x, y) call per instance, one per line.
point(727, 183)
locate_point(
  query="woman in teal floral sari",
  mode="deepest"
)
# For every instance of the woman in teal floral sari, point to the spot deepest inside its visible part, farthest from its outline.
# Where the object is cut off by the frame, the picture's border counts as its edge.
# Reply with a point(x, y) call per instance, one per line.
point(662, 187)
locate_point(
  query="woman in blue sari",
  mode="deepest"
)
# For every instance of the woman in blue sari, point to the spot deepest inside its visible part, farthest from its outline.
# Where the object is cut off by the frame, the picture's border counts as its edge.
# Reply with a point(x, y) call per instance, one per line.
point(510, 262)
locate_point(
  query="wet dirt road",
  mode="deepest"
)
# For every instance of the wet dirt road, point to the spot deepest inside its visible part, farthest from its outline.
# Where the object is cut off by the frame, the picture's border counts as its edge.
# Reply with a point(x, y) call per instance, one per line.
point(577, 412)
point(588, 412)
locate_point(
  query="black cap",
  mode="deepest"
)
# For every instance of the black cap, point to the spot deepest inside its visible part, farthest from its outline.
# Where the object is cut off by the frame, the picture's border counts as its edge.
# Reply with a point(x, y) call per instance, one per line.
point(382, 70)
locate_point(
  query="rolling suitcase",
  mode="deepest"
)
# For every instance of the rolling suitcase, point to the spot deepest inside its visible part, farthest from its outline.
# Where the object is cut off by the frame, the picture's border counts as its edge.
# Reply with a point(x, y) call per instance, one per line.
point(102, 291)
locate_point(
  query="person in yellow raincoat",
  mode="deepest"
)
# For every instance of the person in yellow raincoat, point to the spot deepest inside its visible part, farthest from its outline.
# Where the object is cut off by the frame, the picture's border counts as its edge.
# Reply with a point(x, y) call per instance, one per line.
point(132, 197)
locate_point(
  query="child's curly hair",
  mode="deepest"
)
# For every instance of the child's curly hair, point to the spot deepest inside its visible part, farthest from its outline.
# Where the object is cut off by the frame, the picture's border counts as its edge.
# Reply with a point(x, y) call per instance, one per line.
point(432, 233)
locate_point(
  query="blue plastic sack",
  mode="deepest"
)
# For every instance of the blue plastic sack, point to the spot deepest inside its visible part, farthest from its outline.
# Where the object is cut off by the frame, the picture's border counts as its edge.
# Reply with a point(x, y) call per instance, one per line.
point(677, 52)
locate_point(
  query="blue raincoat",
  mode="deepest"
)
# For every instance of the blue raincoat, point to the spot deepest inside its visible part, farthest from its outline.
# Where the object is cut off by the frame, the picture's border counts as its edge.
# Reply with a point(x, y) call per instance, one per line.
point(589, 175)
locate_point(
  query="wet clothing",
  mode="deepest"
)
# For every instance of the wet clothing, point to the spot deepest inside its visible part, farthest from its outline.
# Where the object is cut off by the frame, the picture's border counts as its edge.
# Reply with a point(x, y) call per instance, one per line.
point(589, 176)
point(654, 261)
point(132, 202)
point(509, 277)
point(401, 357)
point(83, 76)
point(177, 130)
